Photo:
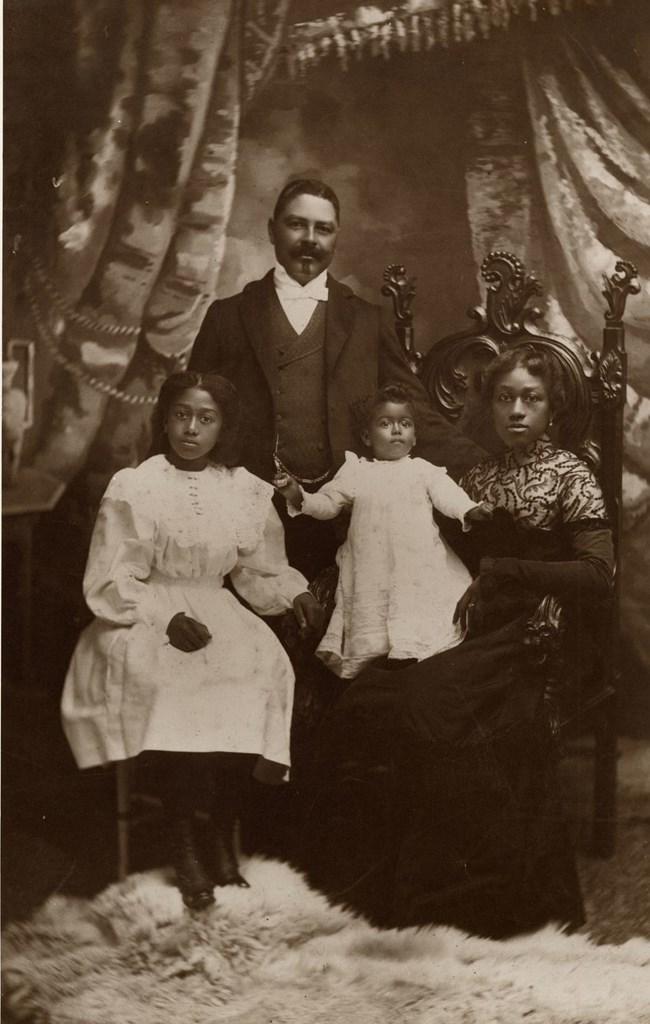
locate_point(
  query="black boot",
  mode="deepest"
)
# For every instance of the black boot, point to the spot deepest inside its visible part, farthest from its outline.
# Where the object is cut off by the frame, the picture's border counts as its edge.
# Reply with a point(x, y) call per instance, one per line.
point(192, 879)
point(226, 868)
point(230, 787)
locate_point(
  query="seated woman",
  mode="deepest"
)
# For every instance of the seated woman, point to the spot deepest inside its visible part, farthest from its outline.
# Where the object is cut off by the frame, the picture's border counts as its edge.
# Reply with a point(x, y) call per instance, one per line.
point(474, 836)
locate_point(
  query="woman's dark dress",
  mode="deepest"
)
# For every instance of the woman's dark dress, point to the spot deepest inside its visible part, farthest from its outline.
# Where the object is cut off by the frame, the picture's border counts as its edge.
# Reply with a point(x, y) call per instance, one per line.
point(434, 797)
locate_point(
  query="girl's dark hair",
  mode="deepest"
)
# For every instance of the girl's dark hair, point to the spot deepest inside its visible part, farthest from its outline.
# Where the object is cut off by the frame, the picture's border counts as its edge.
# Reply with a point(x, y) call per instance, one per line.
point(536, 362)
point(363, 408)
point(226, 450)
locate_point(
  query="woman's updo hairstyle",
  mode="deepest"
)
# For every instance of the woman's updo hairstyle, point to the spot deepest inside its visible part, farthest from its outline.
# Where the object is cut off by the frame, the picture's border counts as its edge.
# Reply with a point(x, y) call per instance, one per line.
point(536, 362)
point(226, 450)
point(363, 409)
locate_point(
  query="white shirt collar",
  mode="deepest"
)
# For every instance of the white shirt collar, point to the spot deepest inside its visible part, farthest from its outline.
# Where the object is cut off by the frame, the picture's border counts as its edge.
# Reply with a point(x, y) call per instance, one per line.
point(287, 288)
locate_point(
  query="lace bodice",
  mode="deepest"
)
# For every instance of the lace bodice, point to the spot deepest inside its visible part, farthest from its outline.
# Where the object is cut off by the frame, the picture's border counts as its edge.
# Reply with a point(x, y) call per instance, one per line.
point(541, 487)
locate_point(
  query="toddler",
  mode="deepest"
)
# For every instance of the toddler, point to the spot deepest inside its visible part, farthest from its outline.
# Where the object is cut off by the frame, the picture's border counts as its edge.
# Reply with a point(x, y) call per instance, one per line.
point(399, 582)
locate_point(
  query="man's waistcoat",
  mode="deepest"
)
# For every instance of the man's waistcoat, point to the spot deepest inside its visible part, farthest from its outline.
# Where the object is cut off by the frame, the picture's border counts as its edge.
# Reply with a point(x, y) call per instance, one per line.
point(299, 390)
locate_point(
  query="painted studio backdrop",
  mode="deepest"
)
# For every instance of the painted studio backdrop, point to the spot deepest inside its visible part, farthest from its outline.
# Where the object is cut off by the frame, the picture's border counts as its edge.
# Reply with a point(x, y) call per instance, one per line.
point(145, 141)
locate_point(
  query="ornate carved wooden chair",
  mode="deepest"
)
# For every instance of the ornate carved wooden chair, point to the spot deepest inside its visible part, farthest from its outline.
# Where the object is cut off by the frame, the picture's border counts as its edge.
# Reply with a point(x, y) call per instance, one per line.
point(591, 425)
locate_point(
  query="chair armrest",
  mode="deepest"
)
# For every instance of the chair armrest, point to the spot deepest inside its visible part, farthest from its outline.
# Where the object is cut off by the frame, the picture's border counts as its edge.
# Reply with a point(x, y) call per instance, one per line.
point(545, 629)
point(543, 639)
point(324, 588)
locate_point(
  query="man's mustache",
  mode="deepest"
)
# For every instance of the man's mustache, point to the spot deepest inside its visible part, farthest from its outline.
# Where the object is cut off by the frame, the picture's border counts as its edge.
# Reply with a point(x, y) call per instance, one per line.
point(306, 249)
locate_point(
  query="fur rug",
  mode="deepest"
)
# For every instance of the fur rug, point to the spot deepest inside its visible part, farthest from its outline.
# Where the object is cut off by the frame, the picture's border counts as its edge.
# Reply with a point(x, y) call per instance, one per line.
point(279, 954)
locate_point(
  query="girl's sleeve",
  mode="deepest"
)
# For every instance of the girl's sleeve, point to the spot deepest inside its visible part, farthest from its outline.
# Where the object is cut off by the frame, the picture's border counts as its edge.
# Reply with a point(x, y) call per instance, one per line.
point(590, 572)
point(447, 496)
point(263, 576)
point(332, 497)
point(120, 557)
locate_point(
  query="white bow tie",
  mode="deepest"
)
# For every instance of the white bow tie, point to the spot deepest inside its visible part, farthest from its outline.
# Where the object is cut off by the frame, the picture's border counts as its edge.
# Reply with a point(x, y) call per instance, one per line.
point(289, 289)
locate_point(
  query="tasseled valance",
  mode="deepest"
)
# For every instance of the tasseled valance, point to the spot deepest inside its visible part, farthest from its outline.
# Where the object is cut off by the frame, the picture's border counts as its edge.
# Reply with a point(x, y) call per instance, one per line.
point(376, 30)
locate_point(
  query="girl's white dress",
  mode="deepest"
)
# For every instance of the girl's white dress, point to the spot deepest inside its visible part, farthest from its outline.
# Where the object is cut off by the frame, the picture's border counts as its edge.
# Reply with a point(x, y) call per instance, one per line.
point(399, 581)
point(163, 542)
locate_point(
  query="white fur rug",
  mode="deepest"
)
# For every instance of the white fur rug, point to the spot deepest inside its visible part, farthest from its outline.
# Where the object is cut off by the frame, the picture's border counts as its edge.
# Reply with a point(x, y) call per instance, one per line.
point(279, 954)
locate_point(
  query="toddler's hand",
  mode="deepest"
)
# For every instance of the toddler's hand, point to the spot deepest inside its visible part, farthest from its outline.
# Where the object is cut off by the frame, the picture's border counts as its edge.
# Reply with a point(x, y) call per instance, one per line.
point(187, 634)
point(288, 488)
point(480, 513)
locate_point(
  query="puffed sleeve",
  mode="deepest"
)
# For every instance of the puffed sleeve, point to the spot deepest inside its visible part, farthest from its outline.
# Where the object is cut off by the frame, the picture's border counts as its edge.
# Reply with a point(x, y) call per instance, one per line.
point(332, 497)
point(262, 575)
point(121, 555)
point(581, 500)
point(446, 495)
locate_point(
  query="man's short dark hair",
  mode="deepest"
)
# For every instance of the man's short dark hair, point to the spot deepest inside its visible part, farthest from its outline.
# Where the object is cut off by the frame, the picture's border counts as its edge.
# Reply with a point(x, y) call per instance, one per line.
point(306, 187)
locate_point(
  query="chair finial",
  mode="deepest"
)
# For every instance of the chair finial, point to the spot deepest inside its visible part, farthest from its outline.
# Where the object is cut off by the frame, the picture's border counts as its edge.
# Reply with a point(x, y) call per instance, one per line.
point(617, 287)
point(510, 287)
point(401, 290)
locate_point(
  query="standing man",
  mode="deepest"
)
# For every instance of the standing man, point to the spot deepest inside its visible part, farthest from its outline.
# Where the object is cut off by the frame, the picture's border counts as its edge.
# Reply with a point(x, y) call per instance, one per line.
point(300, 347)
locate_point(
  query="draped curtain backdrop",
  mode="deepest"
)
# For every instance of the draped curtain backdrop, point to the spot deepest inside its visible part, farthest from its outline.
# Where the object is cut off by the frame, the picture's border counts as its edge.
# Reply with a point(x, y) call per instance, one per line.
point(118, 272)
point(118, 281)
point(591, 124)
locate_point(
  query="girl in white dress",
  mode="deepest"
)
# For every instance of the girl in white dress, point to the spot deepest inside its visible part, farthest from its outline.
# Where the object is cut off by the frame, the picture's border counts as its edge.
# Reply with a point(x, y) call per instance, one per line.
point(399, 581)
point(173, 662)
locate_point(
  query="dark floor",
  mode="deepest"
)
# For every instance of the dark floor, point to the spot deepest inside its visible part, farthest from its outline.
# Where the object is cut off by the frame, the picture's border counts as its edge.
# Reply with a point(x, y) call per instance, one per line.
point(57, 822)
point(59, 831)
point(616, 890)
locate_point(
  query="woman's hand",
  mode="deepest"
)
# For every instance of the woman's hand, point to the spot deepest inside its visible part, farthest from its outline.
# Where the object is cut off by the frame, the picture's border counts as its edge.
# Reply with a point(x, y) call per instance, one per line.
point(289, 489)
point(309, 613)
point(469, 610)
point(186, 634)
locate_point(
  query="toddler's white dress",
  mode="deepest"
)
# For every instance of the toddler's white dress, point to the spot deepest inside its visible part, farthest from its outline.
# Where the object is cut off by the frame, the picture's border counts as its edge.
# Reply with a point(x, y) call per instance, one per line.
point(163, 542)
point(399, 581)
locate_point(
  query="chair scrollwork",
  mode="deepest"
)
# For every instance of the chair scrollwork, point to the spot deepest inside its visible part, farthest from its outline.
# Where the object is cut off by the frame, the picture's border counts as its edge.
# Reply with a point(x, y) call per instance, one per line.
point(543, 636)
point(507, 320)
point(401, 290)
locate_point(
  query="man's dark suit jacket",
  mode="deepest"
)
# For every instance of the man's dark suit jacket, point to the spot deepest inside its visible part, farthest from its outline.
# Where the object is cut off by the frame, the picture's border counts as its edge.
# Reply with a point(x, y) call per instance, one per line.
point(362, 352)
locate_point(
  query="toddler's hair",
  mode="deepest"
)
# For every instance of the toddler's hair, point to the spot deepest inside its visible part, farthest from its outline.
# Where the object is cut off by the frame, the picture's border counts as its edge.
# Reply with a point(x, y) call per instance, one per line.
point(363, 408)
point(226, 450)
point(536, 362)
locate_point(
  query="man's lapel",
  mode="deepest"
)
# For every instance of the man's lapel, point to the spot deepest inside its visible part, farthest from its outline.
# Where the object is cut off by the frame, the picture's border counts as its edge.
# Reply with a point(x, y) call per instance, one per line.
point(338, 324)
point(256, 313)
